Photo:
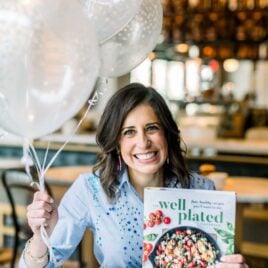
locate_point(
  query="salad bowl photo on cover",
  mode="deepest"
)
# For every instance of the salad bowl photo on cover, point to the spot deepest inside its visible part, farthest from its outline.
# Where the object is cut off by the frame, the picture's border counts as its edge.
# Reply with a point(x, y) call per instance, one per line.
point(185, 246)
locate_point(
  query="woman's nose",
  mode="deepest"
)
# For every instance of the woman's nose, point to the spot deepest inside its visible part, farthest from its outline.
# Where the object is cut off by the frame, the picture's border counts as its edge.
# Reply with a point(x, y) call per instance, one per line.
point(144, 140)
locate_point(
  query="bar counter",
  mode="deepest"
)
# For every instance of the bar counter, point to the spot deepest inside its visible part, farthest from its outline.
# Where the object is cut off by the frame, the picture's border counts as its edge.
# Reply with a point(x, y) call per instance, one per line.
point(227, 146)
point(232, 146)
point(238, 157)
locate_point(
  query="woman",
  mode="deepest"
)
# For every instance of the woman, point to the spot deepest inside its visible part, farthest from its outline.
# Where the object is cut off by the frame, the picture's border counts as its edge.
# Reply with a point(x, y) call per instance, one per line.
point(140, 147)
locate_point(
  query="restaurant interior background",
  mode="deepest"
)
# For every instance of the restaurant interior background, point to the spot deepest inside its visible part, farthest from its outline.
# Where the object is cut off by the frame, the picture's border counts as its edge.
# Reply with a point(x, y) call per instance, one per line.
point(211, 65)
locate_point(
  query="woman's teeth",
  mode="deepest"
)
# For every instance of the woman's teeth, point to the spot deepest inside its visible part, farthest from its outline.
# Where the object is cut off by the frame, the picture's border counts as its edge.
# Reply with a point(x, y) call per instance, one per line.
point(145, 156)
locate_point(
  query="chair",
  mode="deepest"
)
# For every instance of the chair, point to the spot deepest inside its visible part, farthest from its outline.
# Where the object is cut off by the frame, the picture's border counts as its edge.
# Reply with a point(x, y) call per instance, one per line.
point(255, 238)
point(19, 193)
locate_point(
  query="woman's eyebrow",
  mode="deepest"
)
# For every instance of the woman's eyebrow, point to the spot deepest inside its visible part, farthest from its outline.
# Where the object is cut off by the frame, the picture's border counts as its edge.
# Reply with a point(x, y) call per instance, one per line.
point(148, 124)
point(153, 123)
point(127, 127)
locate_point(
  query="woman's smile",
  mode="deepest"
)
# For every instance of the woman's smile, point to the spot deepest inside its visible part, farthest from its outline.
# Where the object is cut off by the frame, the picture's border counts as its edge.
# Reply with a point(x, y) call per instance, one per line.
point(146, 156)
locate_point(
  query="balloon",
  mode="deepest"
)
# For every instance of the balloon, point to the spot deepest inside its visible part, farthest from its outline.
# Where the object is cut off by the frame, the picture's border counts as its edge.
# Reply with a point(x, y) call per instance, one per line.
point(130, 46)
point(3, 133)
point(49, 64)
point(110, 16)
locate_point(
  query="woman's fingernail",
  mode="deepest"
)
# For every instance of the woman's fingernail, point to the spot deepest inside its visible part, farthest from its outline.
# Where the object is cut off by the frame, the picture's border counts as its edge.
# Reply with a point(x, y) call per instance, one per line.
point(51, 200)
point(222, 258)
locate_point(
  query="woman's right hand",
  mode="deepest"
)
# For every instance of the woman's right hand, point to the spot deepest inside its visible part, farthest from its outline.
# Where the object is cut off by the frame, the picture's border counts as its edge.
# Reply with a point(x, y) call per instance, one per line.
point(42, 211)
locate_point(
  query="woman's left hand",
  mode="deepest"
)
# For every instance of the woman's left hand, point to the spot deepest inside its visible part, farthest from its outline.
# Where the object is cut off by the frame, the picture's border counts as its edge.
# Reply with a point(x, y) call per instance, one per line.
point(232, 261)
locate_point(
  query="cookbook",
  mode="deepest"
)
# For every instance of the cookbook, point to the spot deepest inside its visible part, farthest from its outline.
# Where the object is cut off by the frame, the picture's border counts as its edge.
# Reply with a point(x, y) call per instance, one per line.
point(187, 227)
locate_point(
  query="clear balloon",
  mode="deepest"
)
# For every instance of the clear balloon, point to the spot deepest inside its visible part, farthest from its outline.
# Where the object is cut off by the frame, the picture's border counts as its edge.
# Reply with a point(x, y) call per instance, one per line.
point(49, 64)
point(130, 46)
point(3, 133)
point(110, 16)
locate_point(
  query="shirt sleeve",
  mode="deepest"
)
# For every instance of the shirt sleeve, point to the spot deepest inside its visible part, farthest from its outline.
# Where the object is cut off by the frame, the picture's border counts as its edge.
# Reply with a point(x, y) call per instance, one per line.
point(200, 182)
point(73, 220)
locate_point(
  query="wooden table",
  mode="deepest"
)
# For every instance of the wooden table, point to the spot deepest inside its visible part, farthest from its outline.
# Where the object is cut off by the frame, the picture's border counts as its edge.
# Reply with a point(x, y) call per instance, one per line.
point(248, 189)
point(65, 175)
point(252, 194)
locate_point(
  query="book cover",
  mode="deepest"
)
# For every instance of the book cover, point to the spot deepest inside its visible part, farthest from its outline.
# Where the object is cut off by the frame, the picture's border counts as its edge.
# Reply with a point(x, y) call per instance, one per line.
point(187, 227)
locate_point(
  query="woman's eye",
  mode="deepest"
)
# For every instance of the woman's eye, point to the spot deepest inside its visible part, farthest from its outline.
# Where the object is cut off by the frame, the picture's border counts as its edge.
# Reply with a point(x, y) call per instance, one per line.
point(153, 128)
point(128, 132)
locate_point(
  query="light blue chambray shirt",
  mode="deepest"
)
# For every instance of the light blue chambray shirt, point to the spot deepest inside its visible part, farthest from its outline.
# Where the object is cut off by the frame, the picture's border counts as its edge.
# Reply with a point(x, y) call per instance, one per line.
point(117, 227)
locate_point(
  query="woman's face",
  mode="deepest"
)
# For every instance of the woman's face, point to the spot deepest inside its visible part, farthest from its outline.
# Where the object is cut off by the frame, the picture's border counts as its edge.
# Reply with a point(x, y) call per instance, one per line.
point(142, 142)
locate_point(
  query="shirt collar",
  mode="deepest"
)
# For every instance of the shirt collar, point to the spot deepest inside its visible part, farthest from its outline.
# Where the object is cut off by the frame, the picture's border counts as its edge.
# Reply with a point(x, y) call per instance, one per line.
point(172, 182)
point(122, 178)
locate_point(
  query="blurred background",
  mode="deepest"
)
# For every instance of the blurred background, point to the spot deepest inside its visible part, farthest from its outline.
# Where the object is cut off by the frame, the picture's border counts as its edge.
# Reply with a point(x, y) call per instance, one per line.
point(211, 66)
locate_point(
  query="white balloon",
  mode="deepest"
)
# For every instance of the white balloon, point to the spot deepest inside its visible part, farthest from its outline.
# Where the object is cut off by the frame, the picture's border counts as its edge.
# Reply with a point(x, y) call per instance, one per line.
point(110, 16)
point(3, 133)
point(49, 64)
point(128, 48)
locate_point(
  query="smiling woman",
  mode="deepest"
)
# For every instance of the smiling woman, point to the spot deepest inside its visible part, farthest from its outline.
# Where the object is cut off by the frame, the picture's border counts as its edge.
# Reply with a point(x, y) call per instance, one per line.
point(140, 146)
point(142, 126)
point(143, 147)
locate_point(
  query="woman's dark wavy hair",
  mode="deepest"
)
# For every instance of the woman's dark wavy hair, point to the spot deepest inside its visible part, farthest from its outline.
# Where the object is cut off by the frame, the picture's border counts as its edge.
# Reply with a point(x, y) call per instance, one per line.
point(109, 130)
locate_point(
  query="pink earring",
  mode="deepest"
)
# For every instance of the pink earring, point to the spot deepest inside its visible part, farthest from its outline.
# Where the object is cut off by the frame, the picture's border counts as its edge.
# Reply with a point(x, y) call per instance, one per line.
point(119, 162)
point(168, 160)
